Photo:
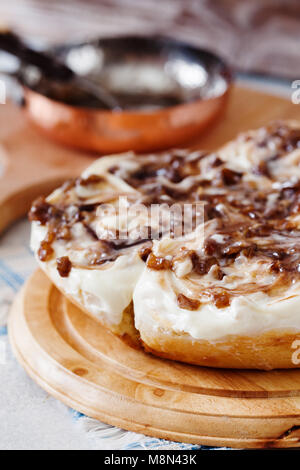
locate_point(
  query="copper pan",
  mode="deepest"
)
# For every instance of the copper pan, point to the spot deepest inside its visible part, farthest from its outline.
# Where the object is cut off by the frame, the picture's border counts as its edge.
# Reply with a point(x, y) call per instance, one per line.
point(134, 127)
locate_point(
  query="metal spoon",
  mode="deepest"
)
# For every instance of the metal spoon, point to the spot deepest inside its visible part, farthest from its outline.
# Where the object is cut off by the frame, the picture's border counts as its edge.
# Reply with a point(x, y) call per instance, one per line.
point(55, 71)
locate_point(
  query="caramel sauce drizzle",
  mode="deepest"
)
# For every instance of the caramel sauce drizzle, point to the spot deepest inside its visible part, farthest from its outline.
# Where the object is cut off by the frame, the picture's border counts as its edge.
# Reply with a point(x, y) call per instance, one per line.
point(248, 223)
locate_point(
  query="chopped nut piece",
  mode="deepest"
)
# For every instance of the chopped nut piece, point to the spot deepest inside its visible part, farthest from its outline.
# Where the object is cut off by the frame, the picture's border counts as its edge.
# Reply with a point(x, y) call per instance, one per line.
point(91, 179)
point(64, 266)
point(157, 263)
point(221, 299)
point(40, 211)
point(45, 251)
point(202, 265)
point(230, 177)
point(144, 252)
point(187, 303)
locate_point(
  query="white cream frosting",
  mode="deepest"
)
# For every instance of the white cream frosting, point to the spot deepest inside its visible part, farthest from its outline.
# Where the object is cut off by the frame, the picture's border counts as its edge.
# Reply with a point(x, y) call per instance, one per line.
point(105, 291)
point(155, 305)
point(108, 289)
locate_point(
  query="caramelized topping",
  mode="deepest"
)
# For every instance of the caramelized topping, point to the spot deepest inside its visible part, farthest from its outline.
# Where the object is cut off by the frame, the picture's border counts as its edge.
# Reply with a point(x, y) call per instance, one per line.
point(218, 273)
point(262, 169)
point(187, 303)
point(91, 179)
point(221, 299)
point(145, 251)
point(286, 138)
point(172, 166)
point(157, 263)
point(250, 221)
point(202, 265)
point(64, 266)
point(45, 251)
point(42, 212)
point(230, 177)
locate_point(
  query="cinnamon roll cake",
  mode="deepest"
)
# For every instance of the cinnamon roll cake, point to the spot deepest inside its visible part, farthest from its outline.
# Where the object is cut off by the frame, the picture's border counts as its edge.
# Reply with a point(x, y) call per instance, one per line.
point(225, 294)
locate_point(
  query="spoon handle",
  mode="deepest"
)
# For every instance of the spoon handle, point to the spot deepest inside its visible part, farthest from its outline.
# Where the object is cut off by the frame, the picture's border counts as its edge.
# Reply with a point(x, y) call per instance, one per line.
point(52, 68)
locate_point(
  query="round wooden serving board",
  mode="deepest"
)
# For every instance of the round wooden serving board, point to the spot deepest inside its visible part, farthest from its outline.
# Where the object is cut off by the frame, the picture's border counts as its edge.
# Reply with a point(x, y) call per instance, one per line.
point(85, 366)
point(81, 363)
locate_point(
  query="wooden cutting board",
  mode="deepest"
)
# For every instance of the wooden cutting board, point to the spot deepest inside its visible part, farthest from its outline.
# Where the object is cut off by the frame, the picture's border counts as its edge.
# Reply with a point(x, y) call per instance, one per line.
point(86, 367)
point(82, 364)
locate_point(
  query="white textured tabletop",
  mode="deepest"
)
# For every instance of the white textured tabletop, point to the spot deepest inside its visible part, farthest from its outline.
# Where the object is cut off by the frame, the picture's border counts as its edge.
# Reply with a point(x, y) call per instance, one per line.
point(29, 417)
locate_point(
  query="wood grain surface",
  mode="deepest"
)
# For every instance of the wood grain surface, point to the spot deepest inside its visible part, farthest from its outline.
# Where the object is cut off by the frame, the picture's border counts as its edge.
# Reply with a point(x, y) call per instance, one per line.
point(79, 362)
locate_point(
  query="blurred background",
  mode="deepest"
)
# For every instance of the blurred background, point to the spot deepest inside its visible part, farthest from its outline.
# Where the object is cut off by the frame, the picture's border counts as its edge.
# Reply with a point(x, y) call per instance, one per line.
point(252, 35)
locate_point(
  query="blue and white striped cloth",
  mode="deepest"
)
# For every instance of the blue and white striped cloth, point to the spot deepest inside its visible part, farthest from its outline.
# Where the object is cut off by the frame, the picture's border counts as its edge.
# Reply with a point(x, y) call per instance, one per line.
point(29, 417)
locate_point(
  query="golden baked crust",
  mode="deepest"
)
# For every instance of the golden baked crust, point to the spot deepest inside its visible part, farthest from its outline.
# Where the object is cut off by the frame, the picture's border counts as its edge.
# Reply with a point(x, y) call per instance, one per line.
point(271, 350)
